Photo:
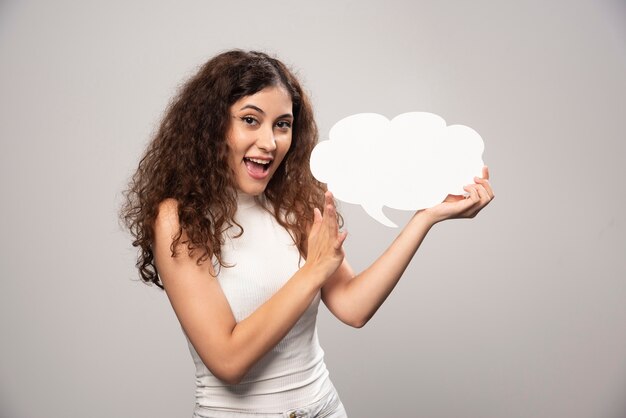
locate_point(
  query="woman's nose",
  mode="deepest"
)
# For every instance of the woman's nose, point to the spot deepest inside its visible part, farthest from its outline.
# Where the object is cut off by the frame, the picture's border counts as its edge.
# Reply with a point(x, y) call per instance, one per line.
point(266, 140)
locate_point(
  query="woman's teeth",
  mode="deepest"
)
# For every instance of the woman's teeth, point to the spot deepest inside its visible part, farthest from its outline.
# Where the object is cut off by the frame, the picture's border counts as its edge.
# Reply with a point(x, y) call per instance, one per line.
point(254, 160)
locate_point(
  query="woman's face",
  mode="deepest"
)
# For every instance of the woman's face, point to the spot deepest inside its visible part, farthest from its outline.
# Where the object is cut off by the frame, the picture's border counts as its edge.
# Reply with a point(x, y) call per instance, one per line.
point(259, 136)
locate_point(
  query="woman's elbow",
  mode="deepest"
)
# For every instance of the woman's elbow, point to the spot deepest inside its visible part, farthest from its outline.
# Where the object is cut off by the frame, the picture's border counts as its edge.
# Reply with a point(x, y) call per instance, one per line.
point(230, 378)
point(351, 317)
point(356, 322)
point(228, 372)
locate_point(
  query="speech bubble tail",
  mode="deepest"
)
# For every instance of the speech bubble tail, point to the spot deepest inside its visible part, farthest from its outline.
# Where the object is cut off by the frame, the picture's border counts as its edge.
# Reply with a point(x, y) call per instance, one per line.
point(376, 212)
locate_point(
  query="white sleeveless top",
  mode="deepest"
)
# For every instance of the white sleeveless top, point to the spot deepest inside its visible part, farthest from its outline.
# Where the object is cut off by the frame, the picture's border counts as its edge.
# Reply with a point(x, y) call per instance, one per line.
point(293, 373)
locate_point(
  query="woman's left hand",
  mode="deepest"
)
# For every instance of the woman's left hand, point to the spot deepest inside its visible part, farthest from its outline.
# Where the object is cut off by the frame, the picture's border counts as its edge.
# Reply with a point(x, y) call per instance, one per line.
point(459, 206)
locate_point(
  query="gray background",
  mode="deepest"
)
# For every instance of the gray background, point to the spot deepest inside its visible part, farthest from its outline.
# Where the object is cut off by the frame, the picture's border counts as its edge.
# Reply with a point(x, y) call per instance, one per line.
point(518, 313)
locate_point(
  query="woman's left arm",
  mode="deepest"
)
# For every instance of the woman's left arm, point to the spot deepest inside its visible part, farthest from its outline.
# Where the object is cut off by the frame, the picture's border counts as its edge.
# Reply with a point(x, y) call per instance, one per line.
point(354, 299)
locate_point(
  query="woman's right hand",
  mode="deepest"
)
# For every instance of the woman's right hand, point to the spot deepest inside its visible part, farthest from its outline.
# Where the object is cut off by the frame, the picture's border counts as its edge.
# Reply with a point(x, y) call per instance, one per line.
point(325, 242)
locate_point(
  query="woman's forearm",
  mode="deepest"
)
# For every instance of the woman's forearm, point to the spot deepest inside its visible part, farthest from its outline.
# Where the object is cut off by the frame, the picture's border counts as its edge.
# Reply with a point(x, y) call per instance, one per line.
point(257, 334)
point(356, 300)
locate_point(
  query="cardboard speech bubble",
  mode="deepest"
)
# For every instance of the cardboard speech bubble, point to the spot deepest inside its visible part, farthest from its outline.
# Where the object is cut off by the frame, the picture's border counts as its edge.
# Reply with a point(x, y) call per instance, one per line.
point(410, 162)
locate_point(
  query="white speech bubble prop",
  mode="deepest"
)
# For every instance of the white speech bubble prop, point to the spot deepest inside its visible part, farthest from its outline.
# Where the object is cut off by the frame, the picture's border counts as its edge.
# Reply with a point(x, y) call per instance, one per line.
point(411, 162)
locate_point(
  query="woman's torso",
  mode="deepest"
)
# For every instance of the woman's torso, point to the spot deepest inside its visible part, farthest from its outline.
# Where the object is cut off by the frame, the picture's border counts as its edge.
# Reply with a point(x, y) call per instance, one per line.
point(293, 373)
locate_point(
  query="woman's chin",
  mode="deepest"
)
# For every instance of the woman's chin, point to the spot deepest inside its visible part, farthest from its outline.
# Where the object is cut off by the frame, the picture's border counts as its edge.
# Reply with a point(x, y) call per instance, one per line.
point(252, 189)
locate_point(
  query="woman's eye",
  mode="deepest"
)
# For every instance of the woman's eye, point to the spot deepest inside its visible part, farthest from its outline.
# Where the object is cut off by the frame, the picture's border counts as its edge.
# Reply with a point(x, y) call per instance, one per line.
point(283, 124)
point(249, 120)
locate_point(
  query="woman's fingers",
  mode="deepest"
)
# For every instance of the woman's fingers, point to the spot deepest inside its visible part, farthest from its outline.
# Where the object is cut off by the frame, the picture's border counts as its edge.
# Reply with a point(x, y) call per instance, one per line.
point(486, 173)
point(484, 181)
point(317, 221)
point(482, 193)
point(473, 196)
point(317, 216)
point(479, 198)
point(330, 209)
point(467, 208)
point(331, 221)
point(485, 184)
point(340, 239)
point(328, 197)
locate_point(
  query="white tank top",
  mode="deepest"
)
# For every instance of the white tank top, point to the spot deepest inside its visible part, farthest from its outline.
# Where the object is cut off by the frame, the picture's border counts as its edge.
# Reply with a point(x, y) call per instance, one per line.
point(293, 373)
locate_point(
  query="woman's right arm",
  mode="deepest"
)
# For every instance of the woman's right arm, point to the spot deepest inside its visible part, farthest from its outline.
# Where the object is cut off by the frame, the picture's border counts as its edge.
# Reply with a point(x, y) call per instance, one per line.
point(229, 349)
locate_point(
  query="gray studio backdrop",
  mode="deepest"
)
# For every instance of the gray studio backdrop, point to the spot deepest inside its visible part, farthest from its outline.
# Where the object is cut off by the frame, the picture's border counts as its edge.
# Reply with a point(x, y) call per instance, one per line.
point(520, 312)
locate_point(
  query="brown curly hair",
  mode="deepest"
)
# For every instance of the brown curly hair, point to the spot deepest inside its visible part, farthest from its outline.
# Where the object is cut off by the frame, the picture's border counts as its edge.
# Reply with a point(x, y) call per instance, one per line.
point(188, 160)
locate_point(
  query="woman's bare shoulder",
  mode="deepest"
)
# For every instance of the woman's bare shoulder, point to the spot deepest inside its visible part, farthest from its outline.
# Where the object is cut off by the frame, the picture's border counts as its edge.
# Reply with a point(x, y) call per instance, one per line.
point(167, 230)
point(166, 220)
point(170, 238)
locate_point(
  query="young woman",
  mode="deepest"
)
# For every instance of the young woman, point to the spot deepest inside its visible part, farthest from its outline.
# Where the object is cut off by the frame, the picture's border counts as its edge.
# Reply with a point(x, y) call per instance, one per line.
point(245, 242)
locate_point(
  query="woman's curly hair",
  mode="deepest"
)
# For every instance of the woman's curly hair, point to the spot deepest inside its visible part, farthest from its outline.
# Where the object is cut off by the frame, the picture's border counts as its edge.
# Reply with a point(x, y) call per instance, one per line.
point(187, 160)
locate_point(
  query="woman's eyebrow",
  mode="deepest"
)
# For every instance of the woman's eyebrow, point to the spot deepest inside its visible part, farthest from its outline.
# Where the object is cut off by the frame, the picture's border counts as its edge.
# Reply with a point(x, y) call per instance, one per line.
point(250, 106)
point(258, 109)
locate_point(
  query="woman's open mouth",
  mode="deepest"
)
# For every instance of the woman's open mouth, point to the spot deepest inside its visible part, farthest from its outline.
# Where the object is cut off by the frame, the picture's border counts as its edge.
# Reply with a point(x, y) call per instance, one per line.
point(257, 168)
